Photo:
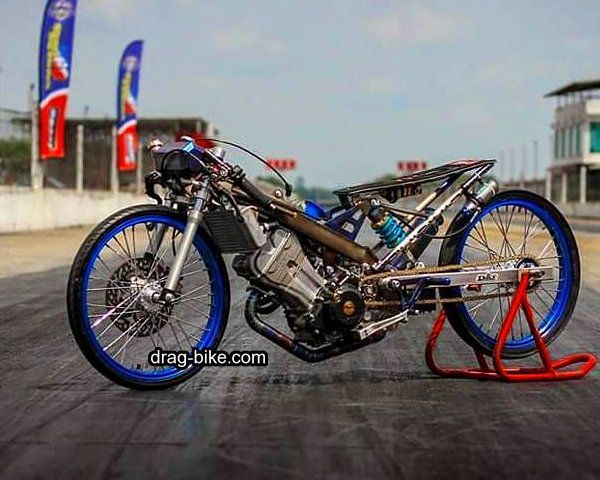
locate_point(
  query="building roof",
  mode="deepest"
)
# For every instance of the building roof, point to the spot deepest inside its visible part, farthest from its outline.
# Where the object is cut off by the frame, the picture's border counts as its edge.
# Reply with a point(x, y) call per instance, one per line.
point(580, 86)
point(145, 123)
point(182, 123)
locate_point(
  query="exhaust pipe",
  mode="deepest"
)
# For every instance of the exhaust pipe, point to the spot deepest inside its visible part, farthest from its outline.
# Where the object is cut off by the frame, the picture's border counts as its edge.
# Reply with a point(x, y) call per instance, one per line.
point(311, 355)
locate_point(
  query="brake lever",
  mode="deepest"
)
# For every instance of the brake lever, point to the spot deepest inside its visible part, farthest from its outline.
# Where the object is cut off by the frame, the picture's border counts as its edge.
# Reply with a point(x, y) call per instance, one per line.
point(150, 181)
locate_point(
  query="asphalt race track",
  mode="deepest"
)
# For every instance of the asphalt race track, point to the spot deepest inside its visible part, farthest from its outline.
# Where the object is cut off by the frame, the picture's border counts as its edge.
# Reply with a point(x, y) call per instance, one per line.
point(375, 413)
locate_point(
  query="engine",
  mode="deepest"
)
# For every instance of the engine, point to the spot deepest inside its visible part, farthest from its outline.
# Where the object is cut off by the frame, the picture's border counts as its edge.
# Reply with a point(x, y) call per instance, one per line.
point(281, 265)
point(318, 310)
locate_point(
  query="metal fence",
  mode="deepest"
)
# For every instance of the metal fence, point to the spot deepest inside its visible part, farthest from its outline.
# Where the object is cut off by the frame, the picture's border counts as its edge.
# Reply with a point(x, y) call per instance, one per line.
point(89, 163)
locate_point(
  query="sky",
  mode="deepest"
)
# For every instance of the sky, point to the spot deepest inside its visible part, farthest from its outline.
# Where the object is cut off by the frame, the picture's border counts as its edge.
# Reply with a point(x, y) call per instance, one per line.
point(346, 87)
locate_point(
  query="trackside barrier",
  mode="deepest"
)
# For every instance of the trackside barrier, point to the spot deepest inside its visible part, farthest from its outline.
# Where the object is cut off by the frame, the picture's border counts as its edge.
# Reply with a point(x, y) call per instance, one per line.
point(549, 370)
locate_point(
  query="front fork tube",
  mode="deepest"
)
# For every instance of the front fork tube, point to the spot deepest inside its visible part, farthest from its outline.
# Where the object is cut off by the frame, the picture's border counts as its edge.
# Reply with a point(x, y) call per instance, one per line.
point(191, 228)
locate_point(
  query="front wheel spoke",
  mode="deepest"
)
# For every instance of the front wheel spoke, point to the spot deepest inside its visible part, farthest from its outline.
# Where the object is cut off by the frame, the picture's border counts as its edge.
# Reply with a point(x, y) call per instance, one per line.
point(190, 337)
point(201, 299)
point(133, 299)
point(126, 241)
point(183, 275)
point(96, 323)
point(131, 337)
point(160, 337)
point(195, 310)
point(196, 339)
point(103, 279)
point(103, 263)
point(189, 264)
point(127, 260)
point(109, 288)
point(181, 320)
point(125, 251)
point(103, 305)
point(96, 315)
point(176, 336)
point(158, 257)
point(193, 290)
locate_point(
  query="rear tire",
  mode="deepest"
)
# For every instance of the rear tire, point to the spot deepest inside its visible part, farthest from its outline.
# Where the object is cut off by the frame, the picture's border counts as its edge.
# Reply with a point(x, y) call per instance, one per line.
point(452, 251)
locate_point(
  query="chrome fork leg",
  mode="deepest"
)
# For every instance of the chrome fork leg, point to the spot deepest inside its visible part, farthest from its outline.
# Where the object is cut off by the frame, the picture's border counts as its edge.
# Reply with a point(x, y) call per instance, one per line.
point(193, 222)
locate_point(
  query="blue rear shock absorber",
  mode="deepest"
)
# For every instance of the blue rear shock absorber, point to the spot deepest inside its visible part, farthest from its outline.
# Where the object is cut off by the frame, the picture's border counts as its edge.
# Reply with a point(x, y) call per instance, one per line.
point(387, 227)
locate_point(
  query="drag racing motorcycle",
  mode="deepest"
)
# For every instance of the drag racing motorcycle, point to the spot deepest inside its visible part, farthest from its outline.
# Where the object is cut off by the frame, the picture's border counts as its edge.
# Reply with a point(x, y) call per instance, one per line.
point(154, 275)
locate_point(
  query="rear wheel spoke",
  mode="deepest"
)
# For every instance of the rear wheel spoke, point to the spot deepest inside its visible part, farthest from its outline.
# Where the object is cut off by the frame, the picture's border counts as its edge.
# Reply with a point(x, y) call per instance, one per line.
point(513, 230)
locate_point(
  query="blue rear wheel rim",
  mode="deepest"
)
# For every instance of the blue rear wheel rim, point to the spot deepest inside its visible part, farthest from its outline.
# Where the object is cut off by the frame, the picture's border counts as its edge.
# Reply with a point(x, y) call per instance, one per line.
point(553, 319)
point(214, 322)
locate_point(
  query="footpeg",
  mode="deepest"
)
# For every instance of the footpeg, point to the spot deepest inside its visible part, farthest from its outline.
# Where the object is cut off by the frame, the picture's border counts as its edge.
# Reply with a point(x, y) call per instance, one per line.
point(368, 330)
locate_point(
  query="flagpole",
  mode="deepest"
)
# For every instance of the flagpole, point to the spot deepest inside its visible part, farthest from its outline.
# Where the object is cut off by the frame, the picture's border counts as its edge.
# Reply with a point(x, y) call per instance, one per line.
point(36, 173)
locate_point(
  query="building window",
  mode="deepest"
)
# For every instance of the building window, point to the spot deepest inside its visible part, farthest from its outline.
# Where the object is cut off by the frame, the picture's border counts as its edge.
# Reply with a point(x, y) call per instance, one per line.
point(573, 186)
point(595, 137)
point(593, 186)
point(578, 140)
point(556, 185)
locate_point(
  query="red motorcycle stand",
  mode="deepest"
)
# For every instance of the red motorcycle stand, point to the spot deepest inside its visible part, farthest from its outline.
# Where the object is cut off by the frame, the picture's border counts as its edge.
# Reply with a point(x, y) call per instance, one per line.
point(549, 370)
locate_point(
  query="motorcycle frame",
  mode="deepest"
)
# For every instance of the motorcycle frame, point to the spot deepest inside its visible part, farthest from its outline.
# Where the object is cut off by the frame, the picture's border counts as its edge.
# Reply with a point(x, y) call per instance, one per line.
point(335, 240)
point(331, 238)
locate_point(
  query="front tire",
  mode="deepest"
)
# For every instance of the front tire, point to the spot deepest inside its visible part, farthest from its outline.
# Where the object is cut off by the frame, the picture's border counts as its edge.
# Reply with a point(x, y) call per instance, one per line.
point(109, 297)
point(513, 222)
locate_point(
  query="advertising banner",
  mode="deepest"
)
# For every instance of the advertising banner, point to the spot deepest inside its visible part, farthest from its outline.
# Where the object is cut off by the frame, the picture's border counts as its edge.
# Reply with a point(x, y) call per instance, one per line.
point(127, 97)
point(56, 50)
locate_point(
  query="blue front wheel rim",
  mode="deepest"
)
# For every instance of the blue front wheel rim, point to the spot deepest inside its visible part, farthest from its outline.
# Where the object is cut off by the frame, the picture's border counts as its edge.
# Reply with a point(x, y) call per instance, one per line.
point(156, 327)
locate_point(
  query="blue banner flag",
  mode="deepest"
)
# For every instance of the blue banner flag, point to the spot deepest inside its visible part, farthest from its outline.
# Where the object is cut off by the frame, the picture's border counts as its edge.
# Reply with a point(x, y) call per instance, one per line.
point(56, 51)
point(127, 101)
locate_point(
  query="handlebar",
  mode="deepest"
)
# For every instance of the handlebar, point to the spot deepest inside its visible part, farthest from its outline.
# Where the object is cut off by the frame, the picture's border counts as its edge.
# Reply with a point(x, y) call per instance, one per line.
point(205, 158)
